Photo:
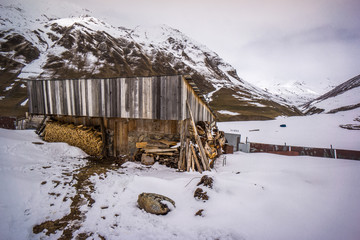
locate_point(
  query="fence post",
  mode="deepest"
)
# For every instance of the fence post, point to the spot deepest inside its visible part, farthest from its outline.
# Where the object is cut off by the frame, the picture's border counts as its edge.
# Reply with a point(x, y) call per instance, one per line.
point(333, 151)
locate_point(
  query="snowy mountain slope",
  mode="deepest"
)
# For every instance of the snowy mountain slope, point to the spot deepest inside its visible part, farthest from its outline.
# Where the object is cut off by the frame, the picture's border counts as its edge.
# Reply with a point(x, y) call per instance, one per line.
point(297, 93)
point(345, 96)
point(86, 47)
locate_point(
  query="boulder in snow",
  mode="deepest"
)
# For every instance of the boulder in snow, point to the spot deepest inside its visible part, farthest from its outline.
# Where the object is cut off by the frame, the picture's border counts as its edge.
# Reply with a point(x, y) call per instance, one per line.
point(154, 203)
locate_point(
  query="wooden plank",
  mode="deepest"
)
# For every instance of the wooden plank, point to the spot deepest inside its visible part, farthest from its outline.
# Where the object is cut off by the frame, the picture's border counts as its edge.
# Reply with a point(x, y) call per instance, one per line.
point(192, 163)
point(140, 97)
point(72, 97)
point(68, 98)
point(175, 97)
point(179, 98)
point(86, 98)
point(102, 98)
point(76, 98)
point(64, 98)
point(127, 95)
point(103, 137)
point(31, 99)
point(108, 98)
point(196, 159)
point(159, 98)
point(90, 97)
point(169, 143)
point(165, 153)
point(141, 144)
point(48, 88)
point(188, 159)
point(118, 97)
point(43, 86)
point(135, 98)
point(187, 149)
point(159, 150)
point(144, 92)
point(115, 138)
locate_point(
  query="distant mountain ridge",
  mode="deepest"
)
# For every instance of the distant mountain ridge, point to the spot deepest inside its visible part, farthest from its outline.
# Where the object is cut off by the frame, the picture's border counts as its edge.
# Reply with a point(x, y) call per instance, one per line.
point(295, 92)
point(86, 47)
point(343, 97)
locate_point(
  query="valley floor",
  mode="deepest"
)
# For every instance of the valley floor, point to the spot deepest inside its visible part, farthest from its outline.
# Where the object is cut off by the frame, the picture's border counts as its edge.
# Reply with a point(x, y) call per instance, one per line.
point(319, 130)
point(255, 196)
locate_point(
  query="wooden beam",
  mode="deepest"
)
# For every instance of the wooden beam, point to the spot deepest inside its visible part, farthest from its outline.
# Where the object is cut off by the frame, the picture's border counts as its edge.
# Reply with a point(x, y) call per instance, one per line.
point(188, 157)
point(196, 159)
point(159, 150)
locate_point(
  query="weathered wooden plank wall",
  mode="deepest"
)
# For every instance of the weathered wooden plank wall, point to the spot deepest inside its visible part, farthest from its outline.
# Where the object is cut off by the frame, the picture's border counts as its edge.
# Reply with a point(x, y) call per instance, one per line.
point(162, 97)
point(200, 110)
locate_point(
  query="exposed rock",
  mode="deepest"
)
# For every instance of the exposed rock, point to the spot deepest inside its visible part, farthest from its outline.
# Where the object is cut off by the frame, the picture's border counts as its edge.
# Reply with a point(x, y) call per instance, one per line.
point(206, 181)
point(201, 195)
point(153, 203)
point(147, 159)
point(199, 213)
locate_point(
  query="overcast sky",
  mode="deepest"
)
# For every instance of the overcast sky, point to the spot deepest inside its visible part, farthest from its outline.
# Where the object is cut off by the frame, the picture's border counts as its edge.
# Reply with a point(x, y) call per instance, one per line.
point(267, 41)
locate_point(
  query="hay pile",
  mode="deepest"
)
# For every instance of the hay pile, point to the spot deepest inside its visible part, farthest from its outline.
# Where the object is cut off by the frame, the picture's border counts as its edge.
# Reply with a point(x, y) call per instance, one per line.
point(86, 138)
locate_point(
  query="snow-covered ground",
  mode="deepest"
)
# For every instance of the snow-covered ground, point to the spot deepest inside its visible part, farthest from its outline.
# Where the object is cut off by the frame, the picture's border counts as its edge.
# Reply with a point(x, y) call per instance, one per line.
point(319, 130)
point(255, 196)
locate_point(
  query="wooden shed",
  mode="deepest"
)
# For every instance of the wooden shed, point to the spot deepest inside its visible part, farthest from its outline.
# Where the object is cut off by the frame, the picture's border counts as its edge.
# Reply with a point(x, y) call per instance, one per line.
point(130, 109)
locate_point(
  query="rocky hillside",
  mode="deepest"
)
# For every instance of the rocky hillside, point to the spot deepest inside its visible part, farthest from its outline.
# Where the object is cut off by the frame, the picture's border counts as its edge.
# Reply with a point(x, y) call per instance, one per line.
point(38, 46)
point(343, 97)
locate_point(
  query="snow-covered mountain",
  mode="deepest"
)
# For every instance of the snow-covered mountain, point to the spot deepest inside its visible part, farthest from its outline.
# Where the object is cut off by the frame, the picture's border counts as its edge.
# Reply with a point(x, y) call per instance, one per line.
point(295, 92)
point(343, 97)
point(80, 46)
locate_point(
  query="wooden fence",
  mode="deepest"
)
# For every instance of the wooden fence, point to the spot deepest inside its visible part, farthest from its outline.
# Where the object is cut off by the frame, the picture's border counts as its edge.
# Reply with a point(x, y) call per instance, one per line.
point(307, 151)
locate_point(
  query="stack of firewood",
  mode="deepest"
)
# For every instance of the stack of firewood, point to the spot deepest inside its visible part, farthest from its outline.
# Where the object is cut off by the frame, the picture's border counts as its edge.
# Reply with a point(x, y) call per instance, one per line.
point(163, 151)
point(88, 139)
point(200, 145)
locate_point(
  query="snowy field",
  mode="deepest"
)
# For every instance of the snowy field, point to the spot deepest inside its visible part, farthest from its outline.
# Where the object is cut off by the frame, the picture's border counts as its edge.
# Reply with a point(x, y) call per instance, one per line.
point(255, 196)
point(319, 130)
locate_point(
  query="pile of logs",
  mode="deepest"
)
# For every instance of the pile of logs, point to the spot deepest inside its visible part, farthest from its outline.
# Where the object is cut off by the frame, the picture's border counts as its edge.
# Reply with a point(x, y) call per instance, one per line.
point(200, 145)
point(164, 151)
point(88, 139)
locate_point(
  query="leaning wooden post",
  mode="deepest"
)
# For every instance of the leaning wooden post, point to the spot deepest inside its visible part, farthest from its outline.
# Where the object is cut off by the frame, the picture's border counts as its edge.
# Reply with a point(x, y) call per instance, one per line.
point(188, 161)
point(196, 160)
point(203, 157)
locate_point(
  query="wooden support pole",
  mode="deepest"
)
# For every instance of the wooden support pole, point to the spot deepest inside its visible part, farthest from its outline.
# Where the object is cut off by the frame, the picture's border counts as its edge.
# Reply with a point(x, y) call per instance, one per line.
point(203, 157)
point(182, 143)
point(196, 159)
